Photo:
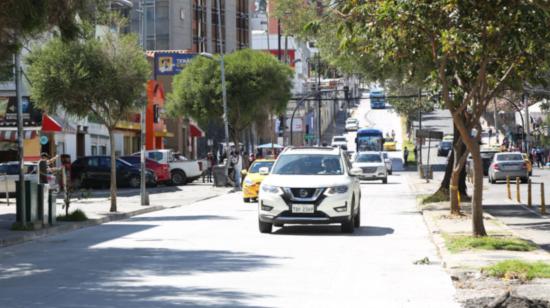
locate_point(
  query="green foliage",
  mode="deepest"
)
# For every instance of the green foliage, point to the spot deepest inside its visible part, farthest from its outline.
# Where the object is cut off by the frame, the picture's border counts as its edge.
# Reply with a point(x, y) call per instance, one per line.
point(517, 269)
point(256, 83)
point(100, 77)
point(26, 19)
point(457, 243)
point(76, 215)
point(16, 226)
point(438, 196)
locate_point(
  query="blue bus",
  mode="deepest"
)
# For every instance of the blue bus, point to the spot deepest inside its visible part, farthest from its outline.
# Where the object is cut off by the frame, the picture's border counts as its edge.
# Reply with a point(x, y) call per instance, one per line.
point(369, 139)
point(377, 99)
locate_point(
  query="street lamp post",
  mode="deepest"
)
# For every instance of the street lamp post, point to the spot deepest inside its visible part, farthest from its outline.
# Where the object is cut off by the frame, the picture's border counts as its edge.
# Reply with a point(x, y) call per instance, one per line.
point(20, 144)
point(143, 189)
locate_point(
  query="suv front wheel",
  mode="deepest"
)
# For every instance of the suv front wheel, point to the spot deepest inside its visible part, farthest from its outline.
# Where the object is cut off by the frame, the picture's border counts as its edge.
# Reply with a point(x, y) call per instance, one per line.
point(265, 227)
point(349, 225)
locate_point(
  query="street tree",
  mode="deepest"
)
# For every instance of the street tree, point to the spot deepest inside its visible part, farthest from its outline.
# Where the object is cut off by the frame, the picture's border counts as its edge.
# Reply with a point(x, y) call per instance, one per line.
point(22, 20)
point(317, 23)
point(473, 53)
point(99, 79)
point(256, 84)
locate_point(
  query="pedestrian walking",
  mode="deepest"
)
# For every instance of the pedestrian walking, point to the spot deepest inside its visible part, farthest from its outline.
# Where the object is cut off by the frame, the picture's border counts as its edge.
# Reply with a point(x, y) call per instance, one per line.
point(237, 168)
point(392, 134)
point(539, 155)
point(405, 156)
point(44, 167)
point(415, 151)
point(210, 163)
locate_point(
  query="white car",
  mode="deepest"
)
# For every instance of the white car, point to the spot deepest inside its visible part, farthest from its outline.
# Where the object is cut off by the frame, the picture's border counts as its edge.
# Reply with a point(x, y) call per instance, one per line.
point(372, 166)
point(182, 170)
point(9, 174)
point(352, 124)
point(339, 142)
point(312, 185)
point(388, 162)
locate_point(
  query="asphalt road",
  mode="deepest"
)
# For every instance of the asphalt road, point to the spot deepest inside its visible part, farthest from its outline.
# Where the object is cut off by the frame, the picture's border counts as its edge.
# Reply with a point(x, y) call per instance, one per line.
point(211, 254)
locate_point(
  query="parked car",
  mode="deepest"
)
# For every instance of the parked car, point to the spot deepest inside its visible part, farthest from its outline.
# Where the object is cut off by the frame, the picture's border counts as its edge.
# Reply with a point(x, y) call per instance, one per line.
point(388, 162)
point(182, 170)
point(510, 164)
point(445, 146)
point(9, 174)
point(161, 171)
point(372, 166)
point(486, 158)
point(340, 141)
point(310, 185)
point(253, 178)
point(95, 171)
point(352, 124)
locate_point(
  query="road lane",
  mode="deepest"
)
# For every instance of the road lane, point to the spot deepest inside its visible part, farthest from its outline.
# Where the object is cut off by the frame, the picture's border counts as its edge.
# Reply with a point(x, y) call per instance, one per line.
point(211, 254)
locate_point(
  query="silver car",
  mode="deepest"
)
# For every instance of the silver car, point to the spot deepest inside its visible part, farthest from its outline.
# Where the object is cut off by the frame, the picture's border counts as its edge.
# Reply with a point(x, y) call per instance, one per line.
point(9, 174)
point(508, 165)
point(372, 166)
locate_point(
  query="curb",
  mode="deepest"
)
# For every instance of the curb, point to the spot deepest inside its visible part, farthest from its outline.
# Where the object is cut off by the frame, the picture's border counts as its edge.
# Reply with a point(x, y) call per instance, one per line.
point(26, 236)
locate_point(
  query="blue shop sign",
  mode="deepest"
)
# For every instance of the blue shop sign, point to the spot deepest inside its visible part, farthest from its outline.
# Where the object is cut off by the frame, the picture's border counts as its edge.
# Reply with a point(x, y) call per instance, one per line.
point(171, 63)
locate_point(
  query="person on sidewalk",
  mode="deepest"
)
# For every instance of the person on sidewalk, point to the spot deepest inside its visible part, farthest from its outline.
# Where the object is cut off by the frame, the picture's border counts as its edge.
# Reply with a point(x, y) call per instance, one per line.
point(44, 167)
point(237, 168)
point(405, 156)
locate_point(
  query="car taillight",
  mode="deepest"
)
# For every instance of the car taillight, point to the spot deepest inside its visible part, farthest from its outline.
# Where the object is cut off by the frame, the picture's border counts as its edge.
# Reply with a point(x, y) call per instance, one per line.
point(496, 166)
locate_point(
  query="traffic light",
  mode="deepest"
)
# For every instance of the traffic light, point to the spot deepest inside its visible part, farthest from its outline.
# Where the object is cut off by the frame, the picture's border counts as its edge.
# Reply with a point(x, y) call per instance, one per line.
point(156, 113)
point(281, 125)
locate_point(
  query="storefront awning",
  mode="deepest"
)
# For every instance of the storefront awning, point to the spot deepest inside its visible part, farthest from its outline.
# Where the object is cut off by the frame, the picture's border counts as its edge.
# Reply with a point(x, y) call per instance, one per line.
point(49, 125)
point(195, 131)
point(11, 135)
point(163, 133)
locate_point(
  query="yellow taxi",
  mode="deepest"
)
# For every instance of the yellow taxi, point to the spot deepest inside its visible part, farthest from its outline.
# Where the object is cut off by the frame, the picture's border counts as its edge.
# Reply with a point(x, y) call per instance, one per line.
point(253, 178)
point(390, 145)
point(528, 163)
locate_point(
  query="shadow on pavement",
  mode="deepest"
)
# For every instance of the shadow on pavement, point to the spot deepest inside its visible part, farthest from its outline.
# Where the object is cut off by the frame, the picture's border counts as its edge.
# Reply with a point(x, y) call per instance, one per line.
point(179, 218)
point(509, 211)
point(333, 230)
point(544, 226)
point(83, 269)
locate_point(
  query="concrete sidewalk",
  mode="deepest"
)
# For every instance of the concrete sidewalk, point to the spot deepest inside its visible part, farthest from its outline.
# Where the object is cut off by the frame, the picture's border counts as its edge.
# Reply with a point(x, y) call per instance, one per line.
point(97, 209)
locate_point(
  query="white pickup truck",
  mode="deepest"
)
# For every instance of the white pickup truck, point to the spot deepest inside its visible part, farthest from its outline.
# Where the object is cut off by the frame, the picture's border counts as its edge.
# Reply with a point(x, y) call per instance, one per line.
point(182, 170)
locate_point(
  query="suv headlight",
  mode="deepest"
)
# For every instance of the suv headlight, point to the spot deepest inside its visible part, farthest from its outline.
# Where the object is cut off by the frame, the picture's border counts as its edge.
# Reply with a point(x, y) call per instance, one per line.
point(337, 190)
point(271, 189)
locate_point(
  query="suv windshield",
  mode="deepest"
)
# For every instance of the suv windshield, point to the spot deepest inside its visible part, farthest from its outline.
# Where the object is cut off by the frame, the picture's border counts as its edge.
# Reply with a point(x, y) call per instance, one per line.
point(339, 139)
point(368, 158)
point(255, 168)
point(314, 164)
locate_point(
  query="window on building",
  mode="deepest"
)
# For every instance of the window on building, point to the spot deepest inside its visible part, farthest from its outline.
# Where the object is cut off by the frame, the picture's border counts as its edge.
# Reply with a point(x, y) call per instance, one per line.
point(94, 149)
point(103, 150)
point(199, 25)
point(243, 34)
point(215, 38)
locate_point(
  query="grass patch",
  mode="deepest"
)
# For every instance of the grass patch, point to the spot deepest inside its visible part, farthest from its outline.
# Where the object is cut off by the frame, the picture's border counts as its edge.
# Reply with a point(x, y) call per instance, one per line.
point(76, 215)
point(17, 226)
point(457, 243)
point(438, 196)
point(516, 269)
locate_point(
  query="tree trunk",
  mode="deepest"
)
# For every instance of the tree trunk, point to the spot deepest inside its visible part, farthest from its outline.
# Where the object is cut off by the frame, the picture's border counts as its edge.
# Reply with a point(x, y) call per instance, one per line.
point(478, 228)
point(113, 170)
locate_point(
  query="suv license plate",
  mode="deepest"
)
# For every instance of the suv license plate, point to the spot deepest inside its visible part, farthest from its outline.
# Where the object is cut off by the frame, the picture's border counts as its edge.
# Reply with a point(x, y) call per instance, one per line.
point(302, 208)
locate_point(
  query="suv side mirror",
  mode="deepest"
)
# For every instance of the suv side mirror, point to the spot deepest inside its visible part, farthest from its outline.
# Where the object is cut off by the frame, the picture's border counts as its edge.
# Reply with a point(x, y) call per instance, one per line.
point(264, 171)
point(355, 171)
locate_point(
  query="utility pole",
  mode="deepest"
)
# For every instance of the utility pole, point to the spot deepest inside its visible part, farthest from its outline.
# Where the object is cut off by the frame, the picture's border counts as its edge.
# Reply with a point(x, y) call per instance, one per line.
point(224, 90)
point(527, 122)
point(419, 158)
point(495, 118)
point(143, 189)
point(279, 39)
point(319, 98)
point(21, 153)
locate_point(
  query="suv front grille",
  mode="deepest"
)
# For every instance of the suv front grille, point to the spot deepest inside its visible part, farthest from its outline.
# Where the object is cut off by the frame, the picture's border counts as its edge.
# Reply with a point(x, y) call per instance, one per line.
point(303, 192)
point(369, 169)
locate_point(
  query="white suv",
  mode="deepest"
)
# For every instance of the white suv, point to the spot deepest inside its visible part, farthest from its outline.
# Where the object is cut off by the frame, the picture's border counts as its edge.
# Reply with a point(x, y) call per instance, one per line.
point(372, 165)
point(314, 185)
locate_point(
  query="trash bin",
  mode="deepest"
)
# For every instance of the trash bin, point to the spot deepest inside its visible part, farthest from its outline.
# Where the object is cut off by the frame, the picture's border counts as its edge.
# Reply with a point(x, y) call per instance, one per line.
point(42, 203)
point(31, 207)
point(220, 180)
